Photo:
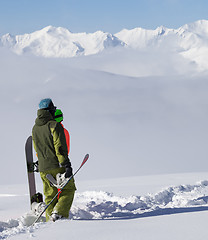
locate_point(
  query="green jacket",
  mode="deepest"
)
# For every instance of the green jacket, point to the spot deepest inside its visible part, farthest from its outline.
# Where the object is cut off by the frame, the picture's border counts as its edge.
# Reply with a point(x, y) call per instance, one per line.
point(49, 142)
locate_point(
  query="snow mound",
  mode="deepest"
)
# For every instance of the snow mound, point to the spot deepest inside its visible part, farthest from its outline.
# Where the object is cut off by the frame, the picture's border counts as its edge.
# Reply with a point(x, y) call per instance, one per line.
point(103, 205)
point(100, 205)
point(10, 228)
point(20, 225)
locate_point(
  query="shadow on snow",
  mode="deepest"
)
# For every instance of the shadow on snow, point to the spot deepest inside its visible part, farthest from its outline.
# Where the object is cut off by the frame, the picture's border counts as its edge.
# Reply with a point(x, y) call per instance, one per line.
point(155, 213)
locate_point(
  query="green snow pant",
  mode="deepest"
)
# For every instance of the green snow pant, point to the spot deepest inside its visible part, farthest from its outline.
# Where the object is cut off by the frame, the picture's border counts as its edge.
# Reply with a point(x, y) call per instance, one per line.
point(62, 205)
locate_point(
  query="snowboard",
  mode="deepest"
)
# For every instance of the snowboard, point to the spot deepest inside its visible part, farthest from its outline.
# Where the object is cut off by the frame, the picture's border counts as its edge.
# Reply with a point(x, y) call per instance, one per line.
point(32, 167)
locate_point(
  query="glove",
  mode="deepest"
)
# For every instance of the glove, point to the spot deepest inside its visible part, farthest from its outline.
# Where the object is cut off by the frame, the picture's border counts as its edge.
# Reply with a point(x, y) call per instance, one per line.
point(68, 172)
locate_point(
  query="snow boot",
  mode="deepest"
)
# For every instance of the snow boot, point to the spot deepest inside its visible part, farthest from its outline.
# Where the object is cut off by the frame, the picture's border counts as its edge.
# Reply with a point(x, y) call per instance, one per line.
point(55, 216)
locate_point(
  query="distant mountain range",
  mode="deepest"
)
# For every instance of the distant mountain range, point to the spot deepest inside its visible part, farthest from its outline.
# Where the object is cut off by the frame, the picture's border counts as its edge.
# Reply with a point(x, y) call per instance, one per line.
point(190, 40)
point(60, 42)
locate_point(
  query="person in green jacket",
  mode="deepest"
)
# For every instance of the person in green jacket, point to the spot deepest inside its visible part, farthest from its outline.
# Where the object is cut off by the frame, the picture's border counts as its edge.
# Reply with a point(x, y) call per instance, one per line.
point(50, 145)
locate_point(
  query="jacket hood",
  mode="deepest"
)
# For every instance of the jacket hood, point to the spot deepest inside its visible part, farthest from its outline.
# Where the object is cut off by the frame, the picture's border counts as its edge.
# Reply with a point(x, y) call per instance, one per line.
point(43, 116)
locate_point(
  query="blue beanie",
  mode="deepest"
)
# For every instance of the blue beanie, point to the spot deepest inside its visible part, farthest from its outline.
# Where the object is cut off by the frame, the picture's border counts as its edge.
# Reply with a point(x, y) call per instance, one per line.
point(44, 103)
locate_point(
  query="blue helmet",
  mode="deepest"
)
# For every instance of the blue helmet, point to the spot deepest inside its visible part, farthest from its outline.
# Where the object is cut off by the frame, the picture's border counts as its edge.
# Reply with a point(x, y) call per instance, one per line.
point(45, 103)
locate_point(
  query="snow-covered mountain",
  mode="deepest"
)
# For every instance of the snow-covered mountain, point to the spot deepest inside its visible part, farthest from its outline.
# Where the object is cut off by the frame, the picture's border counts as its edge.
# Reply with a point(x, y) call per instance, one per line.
point(185, 37)
point(189, 40)
point(60, 42)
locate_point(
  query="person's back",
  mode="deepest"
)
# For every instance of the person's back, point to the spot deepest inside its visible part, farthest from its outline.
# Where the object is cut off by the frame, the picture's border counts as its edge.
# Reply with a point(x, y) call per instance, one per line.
point(51, 148)
point(50, 145)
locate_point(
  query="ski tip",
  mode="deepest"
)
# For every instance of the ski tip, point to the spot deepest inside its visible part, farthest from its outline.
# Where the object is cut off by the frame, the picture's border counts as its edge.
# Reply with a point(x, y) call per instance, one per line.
point(85, 159)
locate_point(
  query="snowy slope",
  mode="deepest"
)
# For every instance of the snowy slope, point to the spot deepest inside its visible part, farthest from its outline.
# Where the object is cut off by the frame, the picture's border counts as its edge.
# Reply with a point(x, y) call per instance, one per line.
point(189, 226)
point(114, 216)
point(142, 38)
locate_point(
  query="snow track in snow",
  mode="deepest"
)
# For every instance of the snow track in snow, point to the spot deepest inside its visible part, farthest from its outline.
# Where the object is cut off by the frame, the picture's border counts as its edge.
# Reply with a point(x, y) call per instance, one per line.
point(103, 205)
point(100, 205)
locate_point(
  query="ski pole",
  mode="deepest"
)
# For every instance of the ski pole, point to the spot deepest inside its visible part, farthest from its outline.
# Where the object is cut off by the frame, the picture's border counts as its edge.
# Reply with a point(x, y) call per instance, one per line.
point(83, 162)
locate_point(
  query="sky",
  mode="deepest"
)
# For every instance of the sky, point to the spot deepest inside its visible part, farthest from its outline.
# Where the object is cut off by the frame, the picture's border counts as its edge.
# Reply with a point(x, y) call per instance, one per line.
point(25, 16)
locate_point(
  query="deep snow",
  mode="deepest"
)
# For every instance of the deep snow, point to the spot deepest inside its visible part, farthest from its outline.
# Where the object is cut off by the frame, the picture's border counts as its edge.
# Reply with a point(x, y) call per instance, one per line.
point(166, 210)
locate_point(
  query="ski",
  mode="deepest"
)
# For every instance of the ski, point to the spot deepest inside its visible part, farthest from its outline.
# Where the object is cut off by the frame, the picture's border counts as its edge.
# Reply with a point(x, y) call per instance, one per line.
point(83, 162)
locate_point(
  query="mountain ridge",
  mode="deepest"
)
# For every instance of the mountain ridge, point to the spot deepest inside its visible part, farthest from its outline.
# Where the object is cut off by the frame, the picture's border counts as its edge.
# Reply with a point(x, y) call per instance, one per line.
point(189, 40)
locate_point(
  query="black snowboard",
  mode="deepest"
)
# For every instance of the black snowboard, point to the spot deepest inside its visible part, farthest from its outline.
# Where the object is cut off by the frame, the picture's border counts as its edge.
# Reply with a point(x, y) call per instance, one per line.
point(32, 167)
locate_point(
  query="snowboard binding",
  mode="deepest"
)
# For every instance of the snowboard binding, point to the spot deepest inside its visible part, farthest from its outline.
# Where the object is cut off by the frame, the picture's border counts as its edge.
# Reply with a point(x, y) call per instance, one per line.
point(38, 198)
point(32, 167)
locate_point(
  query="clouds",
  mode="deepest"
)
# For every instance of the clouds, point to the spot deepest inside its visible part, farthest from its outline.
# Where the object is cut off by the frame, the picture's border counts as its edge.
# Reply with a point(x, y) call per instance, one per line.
point(129, 125)
point(139, 63)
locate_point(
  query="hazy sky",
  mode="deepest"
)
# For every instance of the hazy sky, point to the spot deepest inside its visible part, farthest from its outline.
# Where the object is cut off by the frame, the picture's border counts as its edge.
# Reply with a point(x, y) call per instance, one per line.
point(129, 126)
point(24, 16)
